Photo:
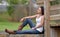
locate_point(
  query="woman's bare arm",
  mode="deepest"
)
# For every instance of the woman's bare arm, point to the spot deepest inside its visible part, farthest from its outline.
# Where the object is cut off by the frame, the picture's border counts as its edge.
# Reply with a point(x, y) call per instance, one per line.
point(41, 23)
point(27, 17)
point(31, 16)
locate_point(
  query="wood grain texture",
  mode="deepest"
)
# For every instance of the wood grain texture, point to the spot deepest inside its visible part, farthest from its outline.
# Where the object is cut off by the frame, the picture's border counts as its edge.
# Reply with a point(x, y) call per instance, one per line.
point(3, 35)
point(26, 35)
point(41, 1)
point(47, 17)
point(55, 17)
point(21, 35)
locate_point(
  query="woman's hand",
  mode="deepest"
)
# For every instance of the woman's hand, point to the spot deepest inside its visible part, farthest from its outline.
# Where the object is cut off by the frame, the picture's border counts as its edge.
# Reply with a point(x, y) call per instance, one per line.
point(33, 28)
point(22, 20)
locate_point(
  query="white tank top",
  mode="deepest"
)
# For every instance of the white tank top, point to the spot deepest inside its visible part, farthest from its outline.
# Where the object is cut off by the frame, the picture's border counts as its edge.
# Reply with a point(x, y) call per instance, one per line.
point(38, 20)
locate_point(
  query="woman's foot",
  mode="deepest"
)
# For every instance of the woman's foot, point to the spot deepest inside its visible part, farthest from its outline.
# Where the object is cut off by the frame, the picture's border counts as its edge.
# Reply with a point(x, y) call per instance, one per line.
point(9, 31)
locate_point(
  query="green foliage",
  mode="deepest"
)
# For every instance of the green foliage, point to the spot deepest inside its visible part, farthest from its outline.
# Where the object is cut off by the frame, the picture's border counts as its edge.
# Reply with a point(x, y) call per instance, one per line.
point(10, 10)
point(13, 2)
point(24, 1)
point(0, 1)
point(55, 2)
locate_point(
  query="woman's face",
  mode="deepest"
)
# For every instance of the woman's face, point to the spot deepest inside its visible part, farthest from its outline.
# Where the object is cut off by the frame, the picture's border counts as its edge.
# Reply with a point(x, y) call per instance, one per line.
point(39, 11)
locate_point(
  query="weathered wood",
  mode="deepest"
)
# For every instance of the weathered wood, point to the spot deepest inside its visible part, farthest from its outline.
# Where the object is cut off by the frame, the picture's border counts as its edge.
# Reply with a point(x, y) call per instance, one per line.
point(41, 1)
point(47, 17)
point(30, 5)
point(55, 17)
point(55, 32)
point(55, 7)
point(26, 35)
point(4, 35)
point(55, 25)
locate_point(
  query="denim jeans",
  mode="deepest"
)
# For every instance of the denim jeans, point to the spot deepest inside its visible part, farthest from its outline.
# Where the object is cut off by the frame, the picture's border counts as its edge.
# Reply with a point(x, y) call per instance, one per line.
point(31, 31)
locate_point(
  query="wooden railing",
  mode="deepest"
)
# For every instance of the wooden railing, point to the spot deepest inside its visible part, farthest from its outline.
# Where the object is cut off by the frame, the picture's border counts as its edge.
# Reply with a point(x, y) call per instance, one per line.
point(55, 17)
point(55, 7)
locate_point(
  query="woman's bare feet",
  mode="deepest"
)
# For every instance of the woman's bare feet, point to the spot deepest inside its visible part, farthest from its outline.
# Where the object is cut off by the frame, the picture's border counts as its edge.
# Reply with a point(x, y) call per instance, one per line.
point(9, 31)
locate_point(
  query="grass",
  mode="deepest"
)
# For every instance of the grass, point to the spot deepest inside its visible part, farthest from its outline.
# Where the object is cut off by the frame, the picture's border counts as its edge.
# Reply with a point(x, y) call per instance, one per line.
point(4, 23)
point(11, 26)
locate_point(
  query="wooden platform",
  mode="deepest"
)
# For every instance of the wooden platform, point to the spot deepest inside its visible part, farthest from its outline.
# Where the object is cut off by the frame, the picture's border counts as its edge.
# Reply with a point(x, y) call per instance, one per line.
point(20, 35)
point(26, 35)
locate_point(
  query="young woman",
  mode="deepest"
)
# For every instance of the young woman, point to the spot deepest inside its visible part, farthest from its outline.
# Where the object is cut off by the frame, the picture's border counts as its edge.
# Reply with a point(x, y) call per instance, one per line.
point(27, 20)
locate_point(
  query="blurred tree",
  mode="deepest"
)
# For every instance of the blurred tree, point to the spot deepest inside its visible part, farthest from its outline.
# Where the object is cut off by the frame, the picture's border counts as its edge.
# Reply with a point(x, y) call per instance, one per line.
point(24, 2)
point(55, 2)
point(10, 8)
point(0, 1)
point(12, 3)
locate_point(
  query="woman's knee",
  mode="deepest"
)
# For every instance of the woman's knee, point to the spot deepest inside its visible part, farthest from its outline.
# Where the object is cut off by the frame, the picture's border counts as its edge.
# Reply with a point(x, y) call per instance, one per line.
point(28, 19)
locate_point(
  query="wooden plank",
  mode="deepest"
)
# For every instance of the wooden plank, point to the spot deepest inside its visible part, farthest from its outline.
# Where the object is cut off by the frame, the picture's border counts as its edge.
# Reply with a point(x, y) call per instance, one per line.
point(26, 35)
point(30, 7)
point(55, 7)
point(41, 1)
point(58, 32)
point(3, 35)
point(55, 17)
point(55, 26)
point(47, 17)
point(55, 31)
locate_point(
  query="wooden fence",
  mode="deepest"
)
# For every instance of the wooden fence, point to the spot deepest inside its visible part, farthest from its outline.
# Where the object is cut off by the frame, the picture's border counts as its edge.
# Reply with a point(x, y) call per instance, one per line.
point(50, 30)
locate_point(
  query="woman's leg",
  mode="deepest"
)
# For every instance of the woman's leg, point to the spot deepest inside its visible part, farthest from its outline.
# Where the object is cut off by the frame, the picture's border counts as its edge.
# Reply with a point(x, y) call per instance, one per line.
point(28, 32)
point(9, 31)
point(27, 21)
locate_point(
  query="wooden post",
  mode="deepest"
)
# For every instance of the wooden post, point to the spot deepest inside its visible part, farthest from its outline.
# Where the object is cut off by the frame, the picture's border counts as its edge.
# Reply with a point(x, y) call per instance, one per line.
point(47, 17)
point(30, 5)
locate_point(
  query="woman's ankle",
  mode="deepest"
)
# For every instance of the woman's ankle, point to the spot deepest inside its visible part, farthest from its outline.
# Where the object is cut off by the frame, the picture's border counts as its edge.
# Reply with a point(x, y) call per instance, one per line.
point(20, 27)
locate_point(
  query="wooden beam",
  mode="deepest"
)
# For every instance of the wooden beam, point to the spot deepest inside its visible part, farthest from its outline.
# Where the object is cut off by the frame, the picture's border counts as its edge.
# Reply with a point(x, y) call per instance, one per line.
point(47, 17)
point(55, 17)
point(42, 1)
point(30, 5)
point(55, 26)
point(55, 7)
